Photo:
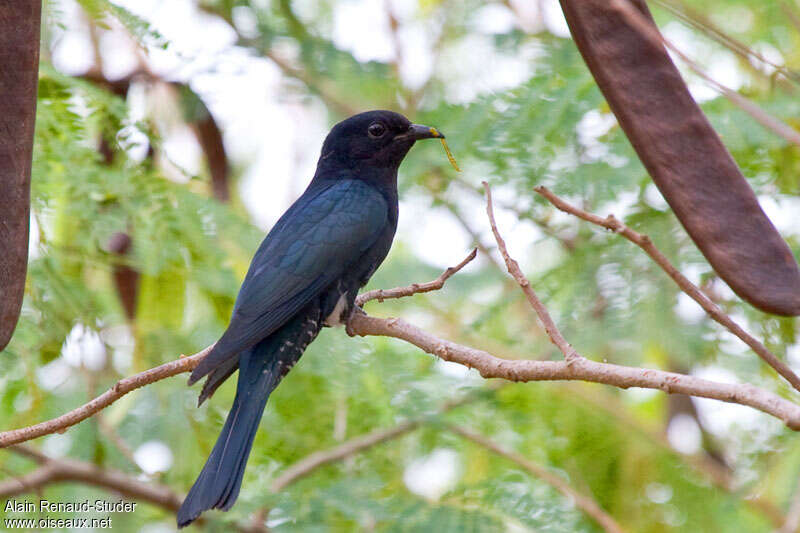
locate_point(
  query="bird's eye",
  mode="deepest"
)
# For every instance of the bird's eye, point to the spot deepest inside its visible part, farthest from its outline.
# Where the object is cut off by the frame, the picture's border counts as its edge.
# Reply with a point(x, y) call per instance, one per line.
point(376, 130)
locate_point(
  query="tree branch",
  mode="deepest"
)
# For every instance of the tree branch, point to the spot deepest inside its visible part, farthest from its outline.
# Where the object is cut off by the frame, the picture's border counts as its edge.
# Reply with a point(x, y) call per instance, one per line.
point(58, 470)
point(701, 464)
point(489, 366)
point(712, 309)
point(568, 242)
point(70, 470)
point(580, 369)
point(120, 389)
point(582, 502)
point(184, 364)
point(414, 288)
point(311, 462)
point(349, 448)
point(513, 268)
point(574, 367)
point(30, 482)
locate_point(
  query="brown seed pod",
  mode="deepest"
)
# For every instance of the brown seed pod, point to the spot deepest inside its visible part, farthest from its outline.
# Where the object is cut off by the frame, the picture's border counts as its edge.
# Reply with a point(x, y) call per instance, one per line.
point(684, 155)
point(19, 56)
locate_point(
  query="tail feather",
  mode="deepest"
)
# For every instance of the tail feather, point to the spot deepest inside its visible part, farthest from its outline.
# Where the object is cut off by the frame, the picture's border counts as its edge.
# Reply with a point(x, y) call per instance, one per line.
point(218, 485)
point(261, 368)
point(216, 378)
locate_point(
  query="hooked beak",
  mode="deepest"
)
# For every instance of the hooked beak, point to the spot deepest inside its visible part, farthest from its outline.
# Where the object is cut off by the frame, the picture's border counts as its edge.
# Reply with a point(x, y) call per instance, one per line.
point(418, 131)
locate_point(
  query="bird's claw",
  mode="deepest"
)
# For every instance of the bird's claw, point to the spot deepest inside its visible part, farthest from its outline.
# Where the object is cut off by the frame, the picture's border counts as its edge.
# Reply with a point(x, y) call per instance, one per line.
point(348, 328)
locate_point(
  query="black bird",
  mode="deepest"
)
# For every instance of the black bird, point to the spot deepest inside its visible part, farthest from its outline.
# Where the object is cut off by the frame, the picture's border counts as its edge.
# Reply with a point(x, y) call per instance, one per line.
point(305, 275)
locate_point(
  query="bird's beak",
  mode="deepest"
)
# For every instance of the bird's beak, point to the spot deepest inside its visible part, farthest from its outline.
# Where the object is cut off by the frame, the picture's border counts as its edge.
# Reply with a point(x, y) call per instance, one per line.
point(418, 131)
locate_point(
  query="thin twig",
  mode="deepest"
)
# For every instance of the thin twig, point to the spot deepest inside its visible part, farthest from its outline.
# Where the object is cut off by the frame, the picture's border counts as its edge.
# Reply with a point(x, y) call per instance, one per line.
point(702, 464)
point(513, 268)
point(314, 83)
point(704, 25)
point(319, 87)
point(58, 470)
point(582, 502)
point(791, 12)
point(414, 288)
point(712, 309)
point(771, 123)
point(311, 462)
point(120, 389)
point(317, 459)
point(569, 243)
point(111, 434)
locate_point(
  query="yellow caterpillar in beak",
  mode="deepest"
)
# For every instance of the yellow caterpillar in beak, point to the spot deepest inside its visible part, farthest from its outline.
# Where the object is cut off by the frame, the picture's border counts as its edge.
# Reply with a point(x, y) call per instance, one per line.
point(450, 157)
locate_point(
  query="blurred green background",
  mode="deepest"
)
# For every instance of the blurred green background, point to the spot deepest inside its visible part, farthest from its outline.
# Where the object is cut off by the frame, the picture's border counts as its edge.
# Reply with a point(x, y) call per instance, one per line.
point(124, 146)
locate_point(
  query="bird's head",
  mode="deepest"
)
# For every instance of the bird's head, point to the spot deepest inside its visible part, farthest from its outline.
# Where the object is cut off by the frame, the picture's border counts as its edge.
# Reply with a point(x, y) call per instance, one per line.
point(374, 139)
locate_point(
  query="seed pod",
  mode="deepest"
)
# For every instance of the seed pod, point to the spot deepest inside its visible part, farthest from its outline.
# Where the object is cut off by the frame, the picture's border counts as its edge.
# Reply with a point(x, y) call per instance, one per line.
point(684, 155)
point(19, 56)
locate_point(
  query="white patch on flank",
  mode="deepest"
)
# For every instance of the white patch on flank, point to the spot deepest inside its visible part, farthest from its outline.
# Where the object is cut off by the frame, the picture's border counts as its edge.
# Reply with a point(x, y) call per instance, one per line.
point(335, 318)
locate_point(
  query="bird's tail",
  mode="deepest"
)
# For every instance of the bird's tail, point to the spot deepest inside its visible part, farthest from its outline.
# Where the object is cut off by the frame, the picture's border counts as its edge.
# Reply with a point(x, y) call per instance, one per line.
point(217, 487)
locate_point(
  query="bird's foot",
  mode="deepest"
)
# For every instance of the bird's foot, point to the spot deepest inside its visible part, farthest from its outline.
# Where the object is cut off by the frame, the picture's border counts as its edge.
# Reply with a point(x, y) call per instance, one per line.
point(348, 328)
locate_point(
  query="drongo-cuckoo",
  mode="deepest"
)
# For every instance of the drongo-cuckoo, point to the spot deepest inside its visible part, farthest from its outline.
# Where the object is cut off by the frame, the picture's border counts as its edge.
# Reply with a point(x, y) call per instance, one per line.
point(305, 275)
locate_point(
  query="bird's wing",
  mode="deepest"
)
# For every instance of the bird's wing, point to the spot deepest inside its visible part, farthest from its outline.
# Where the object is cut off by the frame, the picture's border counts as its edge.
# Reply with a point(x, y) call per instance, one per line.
point(312, 245)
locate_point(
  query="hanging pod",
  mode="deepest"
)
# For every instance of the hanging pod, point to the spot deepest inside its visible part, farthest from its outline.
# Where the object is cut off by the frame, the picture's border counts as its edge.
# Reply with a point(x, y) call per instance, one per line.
point(684, 155)
point(19, 56)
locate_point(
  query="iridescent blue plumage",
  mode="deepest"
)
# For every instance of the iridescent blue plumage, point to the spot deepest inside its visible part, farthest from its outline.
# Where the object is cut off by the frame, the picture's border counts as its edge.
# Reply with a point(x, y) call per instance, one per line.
point(319, 254)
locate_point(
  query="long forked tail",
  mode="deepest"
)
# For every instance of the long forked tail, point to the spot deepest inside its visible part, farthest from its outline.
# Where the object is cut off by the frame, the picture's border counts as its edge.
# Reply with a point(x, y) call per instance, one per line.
point(261, 368)
point(218, 485)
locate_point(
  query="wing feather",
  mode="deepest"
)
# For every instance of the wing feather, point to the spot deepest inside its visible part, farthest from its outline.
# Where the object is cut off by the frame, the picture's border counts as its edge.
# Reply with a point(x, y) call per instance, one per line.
point(312, 245)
